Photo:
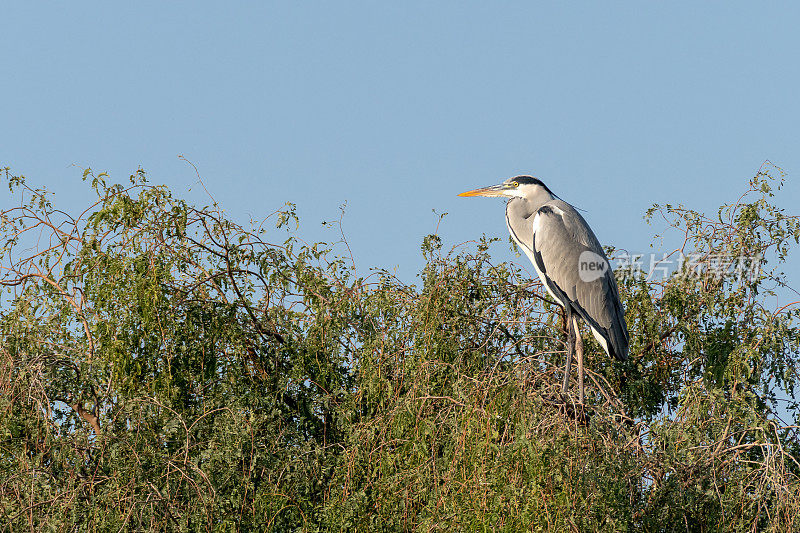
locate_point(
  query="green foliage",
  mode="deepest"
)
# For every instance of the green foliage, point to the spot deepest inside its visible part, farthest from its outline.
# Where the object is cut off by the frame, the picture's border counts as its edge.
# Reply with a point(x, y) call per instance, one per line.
point(164, 368)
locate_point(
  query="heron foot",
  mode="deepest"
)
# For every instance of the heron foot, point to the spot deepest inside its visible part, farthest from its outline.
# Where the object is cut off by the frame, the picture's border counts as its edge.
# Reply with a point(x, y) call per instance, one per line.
point(567, 407)
point(577, 412)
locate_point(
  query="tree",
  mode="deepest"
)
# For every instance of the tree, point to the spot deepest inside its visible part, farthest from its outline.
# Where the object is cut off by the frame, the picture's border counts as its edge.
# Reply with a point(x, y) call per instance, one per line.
point(163, 367)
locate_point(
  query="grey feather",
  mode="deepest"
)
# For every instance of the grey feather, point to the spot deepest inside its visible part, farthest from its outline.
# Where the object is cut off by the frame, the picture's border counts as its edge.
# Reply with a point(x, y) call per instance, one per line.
point(555, 248)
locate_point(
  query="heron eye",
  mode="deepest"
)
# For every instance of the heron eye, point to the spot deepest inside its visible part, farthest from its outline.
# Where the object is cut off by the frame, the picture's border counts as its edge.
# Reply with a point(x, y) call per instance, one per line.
point(515, 184)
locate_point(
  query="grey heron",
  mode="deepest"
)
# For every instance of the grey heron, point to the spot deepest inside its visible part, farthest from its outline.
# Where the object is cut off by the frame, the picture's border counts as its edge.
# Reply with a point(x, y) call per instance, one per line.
point(570, 263)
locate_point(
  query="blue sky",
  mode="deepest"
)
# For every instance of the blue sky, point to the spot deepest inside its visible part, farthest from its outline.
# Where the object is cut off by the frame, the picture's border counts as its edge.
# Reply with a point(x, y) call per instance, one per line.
point(396, 108)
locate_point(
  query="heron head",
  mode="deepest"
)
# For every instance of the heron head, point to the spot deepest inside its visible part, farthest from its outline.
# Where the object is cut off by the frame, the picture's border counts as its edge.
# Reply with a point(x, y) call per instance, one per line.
point(516, 187)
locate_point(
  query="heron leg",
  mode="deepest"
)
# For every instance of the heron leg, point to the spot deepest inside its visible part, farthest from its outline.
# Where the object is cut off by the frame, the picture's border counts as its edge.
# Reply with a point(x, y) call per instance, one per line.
point(579, 354)
point(570, 348)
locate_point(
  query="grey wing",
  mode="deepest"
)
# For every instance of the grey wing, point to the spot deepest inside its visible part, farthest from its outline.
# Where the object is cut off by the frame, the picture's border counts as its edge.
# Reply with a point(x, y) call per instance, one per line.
point(567, 252)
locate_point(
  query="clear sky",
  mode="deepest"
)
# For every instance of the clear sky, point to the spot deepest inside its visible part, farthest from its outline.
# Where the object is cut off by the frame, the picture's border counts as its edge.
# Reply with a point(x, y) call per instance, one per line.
point(396, 107)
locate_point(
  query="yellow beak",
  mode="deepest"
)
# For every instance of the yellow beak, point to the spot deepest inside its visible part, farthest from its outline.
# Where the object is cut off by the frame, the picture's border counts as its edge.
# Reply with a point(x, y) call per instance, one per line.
point(494, 190)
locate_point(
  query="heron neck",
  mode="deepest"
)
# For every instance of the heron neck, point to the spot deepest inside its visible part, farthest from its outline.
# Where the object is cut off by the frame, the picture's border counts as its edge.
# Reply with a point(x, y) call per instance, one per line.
point(525, 207)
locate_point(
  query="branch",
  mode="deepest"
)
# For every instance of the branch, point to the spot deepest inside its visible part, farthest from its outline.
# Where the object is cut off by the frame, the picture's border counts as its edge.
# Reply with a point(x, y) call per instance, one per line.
point(90, 417)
